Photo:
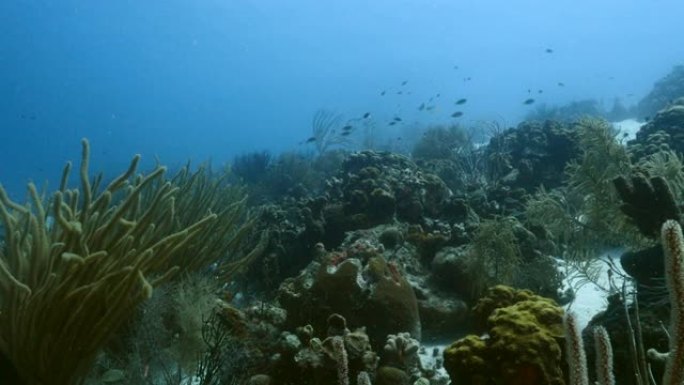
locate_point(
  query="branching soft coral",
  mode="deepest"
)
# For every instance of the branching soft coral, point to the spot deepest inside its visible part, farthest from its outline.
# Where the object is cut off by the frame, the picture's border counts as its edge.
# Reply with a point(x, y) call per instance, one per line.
point(67, 286)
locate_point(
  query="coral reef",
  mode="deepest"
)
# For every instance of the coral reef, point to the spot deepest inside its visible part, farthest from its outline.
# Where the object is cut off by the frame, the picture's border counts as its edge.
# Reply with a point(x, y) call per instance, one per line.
point(377, 186)
point(662, 133)
point(534, 153)
point(357, 283)
point(664, 92)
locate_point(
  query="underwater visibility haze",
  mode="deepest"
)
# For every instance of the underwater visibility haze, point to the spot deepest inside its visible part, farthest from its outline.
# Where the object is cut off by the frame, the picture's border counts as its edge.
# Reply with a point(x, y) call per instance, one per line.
point(264, 192)
point(213, 79)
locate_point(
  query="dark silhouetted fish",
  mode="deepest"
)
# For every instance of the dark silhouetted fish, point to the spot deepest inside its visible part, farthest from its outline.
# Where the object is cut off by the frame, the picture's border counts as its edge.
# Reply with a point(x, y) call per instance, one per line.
point(528, 101)
point(392, 123)
point(540, 91)
point(461, 101)
point(311, 139)
point(366, 115)
point(549, 50)
point(400, 92)
point(347, 127)
point(421, 107)
point(346, 133)
point(430, 108)
point(404, 82)
point(457, 114)
point(561, 84)
point(397, 119)
point(383, 93)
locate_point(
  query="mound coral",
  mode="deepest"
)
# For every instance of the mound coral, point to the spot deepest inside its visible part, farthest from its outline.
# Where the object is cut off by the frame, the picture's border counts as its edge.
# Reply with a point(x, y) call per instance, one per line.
point(523, 346)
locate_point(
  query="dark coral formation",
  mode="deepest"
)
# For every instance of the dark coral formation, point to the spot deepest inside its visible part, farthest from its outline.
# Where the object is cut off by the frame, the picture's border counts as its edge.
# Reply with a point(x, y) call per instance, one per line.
point(663, 93)
point(377, 186)
point(664, 132)
point(357, 283)
point(533, 154)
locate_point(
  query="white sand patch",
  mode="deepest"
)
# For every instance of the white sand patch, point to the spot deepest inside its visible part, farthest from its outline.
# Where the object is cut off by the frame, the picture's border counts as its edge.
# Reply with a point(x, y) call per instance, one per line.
point(590, 298)
point(627, 128)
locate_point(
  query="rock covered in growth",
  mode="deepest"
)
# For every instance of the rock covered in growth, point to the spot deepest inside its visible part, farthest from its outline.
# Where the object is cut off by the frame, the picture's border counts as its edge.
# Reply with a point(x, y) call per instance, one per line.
point(377, 186)
point(525, 334)
point(533, 154)
point(664, 132)
point(664, 92)
point(357, 283)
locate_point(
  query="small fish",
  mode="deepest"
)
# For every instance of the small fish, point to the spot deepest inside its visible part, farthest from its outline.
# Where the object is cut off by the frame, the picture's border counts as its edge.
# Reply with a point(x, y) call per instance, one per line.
point(549, 50)
point(383, 93)
point(529, 90)
point(647, 118)
point(347, 127)
point(431, 99)
point(457, 114)
point(467, 79)
point(400, 92)
point(430, 108)
point(528, 101)
point(311, 139)
point(540, 91)
point(404, 82)
point(455, 67)
point(461, 101)
point(366, 115)
point(346, 133)
point(421, 107)
point(561, 84)
point(398, 137)
point(397, 119)
point(438, 95)
point(392, 123)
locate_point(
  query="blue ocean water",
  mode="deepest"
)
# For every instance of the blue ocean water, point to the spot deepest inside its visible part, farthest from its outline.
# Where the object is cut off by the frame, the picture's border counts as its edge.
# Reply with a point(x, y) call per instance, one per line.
point(209, 79)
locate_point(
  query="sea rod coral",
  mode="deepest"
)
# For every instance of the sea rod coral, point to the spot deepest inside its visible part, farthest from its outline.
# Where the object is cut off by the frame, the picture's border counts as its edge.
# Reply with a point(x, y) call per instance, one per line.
point(67, 286)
